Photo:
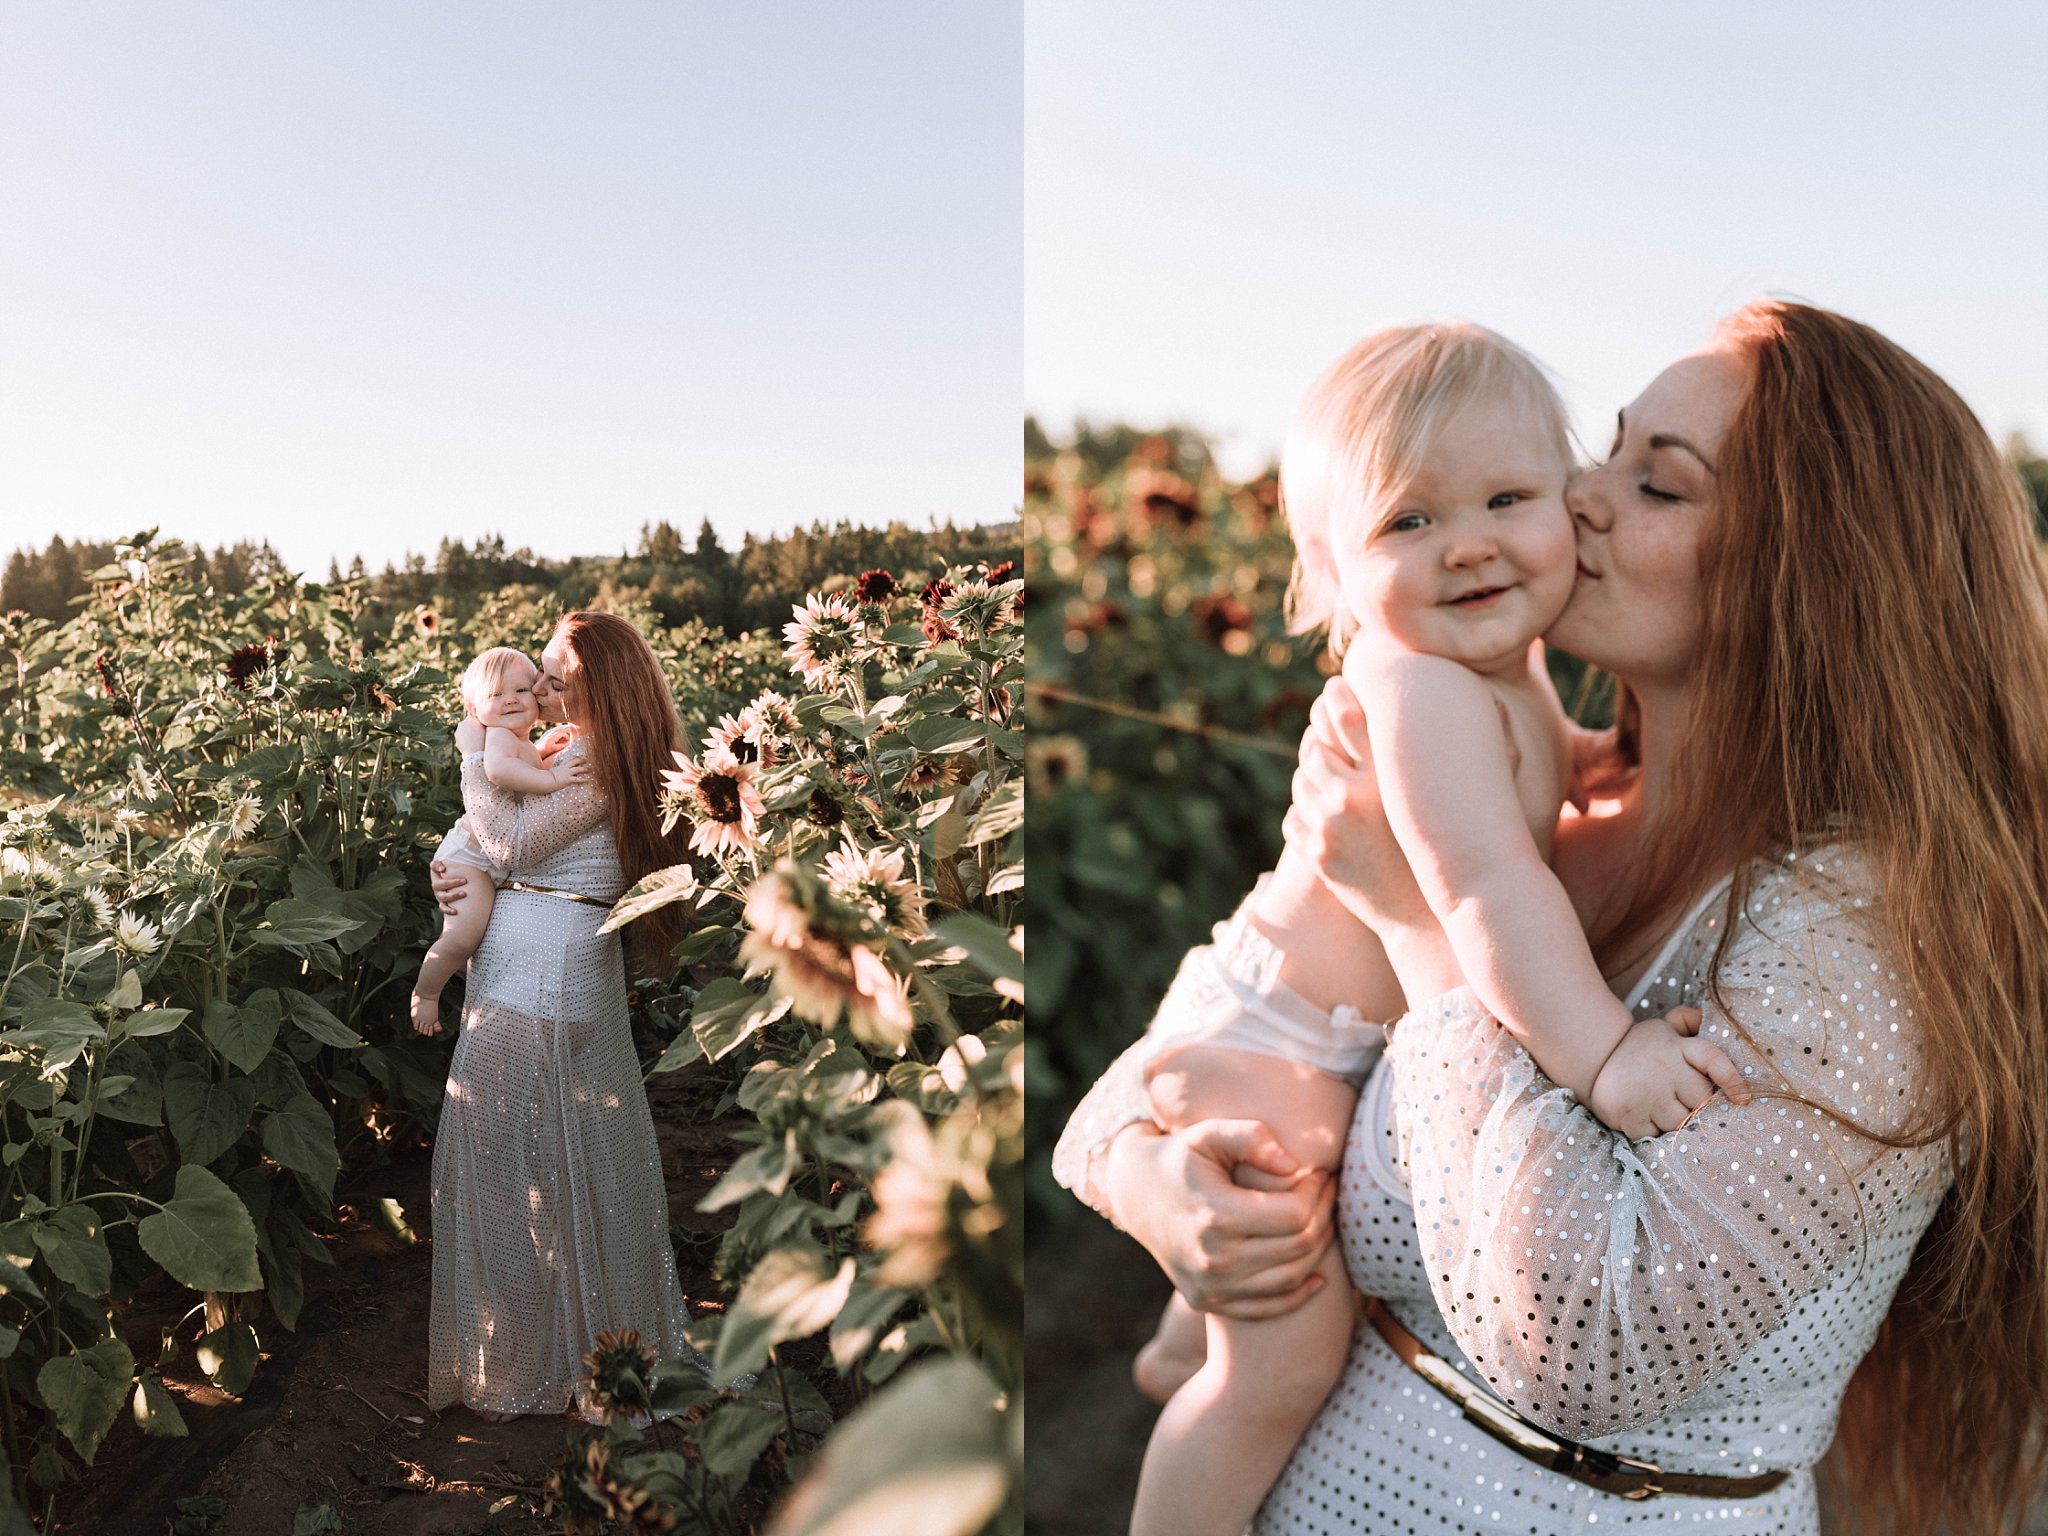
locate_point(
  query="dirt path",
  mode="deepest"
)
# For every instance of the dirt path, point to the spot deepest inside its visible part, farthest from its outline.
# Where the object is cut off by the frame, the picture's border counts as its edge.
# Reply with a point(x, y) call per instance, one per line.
point(335, 1414)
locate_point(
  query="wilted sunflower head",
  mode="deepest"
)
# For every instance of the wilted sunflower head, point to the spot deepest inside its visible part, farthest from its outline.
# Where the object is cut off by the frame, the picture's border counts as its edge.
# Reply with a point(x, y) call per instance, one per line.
point(574, 1490)
point(616, 1372)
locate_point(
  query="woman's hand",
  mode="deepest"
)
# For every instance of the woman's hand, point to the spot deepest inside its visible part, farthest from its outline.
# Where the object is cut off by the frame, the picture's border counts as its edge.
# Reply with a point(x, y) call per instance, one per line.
point(449, 887)
point(1337, 820)
point(1237, 1252)
point(1598, 770)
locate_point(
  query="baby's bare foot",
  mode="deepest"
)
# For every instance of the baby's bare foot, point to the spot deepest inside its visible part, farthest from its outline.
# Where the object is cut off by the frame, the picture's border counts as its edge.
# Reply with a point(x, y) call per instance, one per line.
point(426, 1014)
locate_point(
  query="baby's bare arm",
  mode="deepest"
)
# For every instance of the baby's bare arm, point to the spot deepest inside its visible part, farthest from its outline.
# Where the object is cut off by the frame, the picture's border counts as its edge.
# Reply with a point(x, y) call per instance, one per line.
point(510, 762)
point(1447, 780)
point(1659, 1074)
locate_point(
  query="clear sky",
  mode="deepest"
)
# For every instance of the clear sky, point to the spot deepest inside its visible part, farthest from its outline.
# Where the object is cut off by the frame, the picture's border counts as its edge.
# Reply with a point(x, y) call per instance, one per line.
point(355, 277)
point(1220, 196)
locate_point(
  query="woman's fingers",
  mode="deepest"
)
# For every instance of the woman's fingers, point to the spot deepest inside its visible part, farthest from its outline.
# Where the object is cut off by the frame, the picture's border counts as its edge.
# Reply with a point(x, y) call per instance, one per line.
point(1256, 1309)
point(1337, 720)
point(1230, 1142)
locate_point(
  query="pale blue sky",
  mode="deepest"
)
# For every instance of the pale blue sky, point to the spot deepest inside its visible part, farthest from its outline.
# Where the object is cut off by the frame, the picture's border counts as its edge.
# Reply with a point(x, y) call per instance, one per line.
point(356, 277)
point(1220, 196)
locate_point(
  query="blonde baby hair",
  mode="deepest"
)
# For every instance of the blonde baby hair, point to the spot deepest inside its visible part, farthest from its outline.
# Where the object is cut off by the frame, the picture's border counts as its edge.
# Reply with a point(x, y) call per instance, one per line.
point(480, 679)
point(1362, 431)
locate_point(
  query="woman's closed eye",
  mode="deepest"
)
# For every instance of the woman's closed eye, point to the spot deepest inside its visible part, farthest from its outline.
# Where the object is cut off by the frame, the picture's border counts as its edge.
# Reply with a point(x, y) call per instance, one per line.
point(1655, 494)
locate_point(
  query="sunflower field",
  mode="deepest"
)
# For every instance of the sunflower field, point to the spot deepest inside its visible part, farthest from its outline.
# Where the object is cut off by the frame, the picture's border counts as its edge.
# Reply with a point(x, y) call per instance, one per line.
point(217, 814)
point(1165, 700)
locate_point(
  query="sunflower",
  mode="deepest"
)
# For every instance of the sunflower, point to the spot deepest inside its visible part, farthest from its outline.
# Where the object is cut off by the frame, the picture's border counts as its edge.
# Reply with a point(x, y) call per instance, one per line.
point(976, 608)
point(243, 817)
point(932, 601)
point(821, 640)
point(822, 972)
point(874, 587)
point(775, 712)
point(746, 736)
point(247, 663)
point(873, 881)
point(719, 797)
point(912, 1220)
point(616, 1373)
point(137, 935)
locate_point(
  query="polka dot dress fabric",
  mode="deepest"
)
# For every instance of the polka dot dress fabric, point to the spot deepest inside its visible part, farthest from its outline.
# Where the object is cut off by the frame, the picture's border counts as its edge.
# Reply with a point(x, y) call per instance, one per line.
point(1698, 1300)
point(550, 1220)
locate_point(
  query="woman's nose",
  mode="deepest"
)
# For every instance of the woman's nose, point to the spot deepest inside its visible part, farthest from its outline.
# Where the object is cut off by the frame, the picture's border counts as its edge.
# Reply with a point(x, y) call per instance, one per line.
point(1584, 500)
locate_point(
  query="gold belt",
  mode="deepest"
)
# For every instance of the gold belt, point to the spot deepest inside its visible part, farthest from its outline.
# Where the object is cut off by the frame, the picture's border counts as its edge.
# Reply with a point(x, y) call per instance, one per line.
point(1622, 1475)
point(550, 890)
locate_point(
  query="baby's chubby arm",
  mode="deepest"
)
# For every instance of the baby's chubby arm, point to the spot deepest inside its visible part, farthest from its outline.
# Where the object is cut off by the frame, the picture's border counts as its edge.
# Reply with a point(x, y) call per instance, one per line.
point(1448, 785)
point(510, 762)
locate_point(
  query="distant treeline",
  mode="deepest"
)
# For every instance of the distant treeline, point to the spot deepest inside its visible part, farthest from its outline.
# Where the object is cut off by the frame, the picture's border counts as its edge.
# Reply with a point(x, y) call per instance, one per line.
point(733, 590)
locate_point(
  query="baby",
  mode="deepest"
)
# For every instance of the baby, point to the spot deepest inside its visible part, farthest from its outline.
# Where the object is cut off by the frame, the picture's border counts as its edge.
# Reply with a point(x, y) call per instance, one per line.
point(1424, 483)
point(498, 712)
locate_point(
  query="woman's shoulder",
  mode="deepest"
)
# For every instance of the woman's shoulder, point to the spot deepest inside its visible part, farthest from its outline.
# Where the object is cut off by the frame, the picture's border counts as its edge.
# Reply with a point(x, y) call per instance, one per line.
point(1828, 885)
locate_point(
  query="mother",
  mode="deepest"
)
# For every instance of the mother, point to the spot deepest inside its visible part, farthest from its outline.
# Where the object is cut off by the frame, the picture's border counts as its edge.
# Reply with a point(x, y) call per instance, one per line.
point(550, 1221)
point(1817, 585)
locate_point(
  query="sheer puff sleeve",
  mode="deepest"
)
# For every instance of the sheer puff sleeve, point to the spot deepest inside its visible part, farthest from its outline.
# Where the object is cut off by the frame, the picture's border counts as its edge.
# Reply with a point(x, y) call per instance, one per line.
point(1596, 1282)
point(517, 831)
point(1119, 1098)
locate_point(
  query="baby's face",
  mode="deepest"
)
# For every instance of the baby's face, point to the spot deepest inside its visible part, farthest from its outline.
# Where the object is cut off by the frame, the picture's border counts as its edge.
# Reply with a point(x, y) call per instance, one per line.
point(511, 705)
point(1476, 556)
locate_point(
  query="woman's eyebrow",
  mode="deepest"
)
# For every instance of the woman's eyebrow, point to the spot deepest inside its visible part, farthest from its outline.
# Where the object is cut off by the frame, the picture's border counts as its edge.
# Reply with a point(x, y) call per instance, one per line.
point(1672, 440)
point(1662, 440)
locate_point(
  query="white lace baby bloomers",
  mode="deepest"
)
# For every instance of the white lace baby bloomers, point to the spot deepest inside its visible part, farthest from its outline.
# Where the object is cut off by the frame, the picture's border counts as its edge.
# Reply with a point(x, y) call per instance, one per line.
point(1228, 992)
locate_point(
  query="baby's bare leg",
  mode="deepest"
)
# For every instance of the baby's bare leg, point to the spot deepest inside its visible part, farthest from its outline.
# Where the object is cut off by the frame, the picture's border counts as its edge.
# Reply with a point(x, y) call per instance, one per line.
point(1328, 956)
point(1175, 1351)
point(461, 933)
point(1224, 1437)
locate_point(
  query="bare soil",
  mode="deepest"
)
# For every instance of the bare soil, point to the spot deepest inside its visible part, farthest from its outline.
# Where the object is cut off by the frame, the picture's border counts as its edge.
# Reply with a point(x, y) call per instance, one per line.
point(1094, 1297)
point(336, 1414)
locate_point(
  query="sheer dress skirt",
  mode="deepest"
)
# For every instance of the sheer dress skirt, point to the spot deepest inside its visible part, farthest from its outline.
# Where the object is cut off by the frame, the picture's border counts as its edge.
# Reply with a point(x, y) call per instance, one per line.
point(550, 1220)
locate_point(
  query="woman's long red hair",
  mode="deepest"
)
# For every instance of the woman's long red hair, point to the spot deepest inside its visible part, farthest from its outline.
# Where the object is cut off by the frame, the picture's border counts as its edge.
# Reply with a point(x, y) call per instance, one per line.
point(1873, 665)
point(626, 713)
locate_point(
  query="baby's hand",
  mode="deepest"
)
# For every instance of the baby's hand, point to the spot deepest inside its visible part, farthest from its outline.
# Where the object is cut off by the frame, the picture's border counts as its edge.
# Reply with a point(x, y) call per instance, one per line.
point(574, 771)
point(1660, 1074)
point(557, 738)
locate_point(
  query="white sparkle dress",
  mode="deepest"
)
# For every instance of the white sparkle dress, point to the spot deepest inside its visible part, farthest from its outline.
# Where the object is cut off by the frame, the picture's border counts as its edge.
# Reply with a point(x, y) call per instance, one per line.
point(1698, 1301)
point(550, 1220)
